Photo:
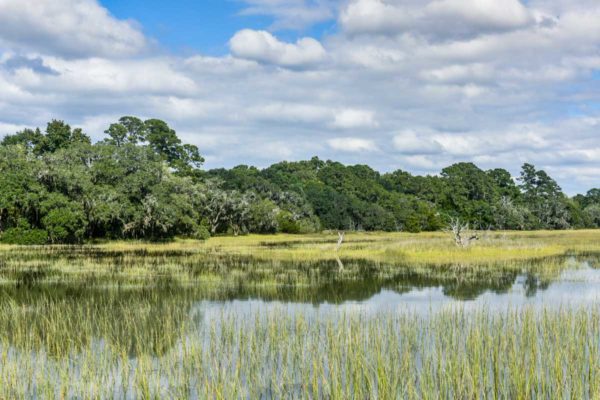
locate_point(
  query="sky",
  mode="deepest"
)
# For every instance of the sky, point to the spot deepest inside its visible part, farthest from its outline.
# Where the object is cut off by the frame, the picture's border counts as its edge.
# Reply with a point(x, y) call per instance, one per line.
point(397, 84)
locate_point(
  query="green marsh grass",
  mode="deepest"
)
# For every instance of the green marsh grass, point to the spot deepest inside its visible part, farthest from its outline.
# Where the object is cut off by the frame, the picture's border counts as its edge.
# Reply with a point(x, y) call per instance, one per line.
point(153, 346)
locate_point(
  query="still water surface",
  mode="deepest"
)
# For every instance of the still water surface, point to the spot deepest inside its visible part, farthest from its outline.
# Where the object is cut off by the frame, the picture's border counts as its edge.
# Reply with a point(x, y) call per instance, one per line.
point(357, 287)
point(577, 285)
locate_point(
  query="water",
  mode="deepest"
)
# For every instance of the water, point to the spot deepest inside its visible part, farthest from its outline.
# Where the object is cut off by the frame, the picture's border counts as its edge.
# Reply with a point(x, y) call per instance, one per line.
point(144, 323)
point(576, 286)
point(358, 286)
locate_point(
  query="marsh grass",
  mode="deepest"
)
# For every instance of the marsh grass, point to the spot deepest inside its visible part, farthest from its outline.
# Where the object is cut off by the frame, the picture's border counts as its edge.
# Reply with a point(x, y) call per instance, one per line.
point(149, 346)
point(425, 248)
point(244, 276)
point(287, 260)
point(122, 319)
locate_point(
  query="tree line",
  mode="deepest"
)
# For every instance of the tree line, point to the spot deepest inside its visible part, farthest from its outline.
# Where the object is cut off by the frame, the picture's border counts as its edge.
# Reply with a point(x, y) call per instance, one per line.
point(142, 182)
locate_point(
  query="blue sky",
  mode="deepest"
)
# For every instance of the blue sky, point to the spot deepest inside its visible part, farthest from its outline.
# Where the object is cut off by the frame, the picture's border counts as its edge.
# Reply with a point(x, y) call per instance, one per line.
point(204, 26)
point(397, 84)
point(181, 25)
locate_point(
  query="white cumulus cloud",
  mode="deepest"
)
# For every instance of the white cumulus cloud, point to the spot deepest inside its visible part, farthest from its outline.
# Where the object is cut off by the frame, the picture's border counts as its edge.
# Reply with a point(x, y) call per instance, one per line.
point(353, 118)
point(484, 14)
point(411, 143)
point(263, 47)
point(70, 28)
point(438, 19)
point(352, 144)
point(375, 16)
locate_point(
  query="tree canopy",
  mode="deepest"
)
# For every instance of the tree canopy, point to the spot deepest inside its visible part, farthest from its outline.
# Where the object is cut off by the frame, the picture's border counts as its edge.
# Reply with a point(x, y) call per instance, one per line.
point(142, 182)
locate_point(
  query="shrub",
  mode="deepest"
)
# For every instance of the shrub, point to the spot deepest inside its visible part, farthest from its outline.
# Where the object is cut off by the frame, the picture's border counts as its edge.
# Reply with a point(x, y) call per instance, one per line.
point(201, 232)
point(286, 223)
point(64, 225)
point(24, 236)
point(309, 225)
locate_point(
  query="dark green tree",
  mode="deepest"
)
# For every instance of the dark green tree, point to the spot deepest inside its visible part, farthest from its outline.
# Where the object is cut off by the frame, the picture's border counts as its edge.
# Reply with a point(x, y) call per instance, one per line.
point(544, 198)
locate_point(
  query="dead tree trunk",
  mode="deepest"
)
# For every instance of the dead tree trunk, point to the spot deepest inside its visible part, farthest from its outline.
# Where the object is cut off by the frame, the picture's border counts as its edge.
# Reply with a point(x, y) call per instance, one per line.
point(340, 240)
point(340, 264)
point(463, 235)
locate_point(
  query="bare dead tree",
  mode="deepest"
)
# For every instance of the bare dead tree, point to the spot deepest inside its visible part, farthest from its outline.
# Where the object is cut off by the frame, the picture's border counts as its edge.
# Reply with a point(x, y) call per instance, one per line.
point(341, 236)
point(463, 234)
point(340, 264)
